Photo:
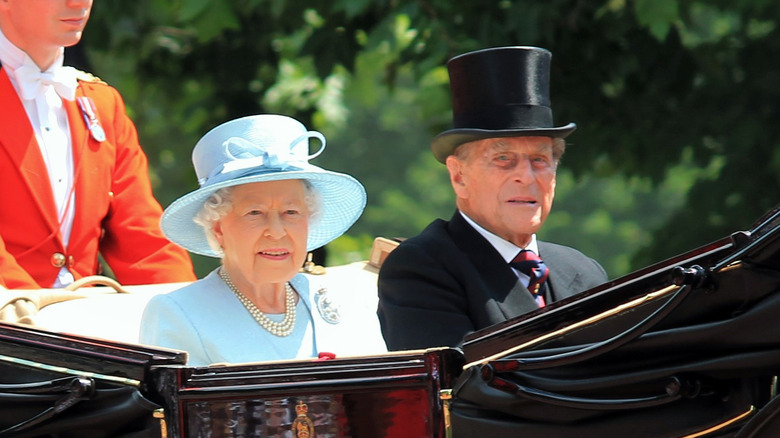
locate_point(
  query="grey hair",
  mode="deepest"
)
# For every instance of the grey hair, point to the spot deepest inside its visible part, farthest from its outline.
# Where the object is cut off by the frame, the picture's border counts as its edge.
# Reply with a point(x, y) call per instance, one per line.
point(220, 203)
point(462, 152)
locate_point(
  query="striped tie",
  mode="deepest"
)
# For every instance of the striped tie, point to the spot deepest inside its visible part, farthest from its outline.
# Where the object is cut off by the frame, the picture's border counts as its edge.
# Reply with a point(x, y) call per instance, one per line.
point(530, 264)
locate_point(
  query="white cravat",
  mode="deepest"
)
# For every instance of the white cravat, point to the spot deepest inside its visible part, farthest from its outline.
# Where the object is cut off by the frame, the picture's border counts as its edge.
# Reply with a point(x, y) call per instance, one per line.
point(33, 82)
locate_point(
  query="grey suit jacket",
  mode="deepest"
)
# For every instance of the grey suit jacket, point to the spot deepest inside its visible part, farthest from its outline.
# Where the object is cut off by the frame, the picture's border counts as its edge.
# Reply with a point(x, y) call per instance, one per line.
point(449, 281)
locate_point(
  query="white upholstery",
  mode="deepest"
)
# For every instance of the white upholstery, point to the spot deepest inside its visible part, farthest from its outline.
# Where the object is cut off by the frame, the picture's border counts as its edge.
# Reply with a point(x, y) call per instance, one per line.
point(107, 314)
point(103, 314)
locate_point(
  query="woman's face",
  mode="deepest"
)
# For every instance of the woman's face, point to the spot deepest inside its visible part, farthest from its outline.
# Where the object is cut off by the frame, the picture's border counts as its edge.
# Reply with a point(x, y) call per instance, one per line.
point(264, 236)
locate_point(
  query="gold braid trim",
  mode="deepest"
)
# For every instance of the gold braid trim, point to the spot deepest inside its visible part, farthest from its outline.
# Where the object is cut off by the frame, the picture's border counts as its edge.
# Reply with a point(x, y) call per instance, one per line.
point(88, 77)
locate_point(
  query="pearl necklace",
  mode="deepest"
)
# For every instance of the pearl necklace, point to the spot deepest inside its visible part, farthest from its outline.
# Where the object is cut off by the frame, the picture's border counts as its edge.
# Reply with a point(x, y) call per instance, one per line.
point(281, 329)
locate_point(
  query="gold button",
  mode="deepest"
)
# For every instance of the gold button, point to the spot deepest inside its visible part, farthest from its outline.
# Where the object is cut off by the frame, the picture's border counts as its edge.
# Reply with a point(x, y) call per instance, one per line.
point(71, 262)
point(58, 260)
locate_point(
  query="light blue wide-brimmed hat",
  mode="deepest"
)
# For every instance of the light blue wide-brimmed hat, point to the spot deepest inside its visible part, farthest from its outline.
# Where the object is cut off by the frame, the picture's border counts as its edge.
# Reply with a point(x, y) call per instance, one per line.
point(259, 148)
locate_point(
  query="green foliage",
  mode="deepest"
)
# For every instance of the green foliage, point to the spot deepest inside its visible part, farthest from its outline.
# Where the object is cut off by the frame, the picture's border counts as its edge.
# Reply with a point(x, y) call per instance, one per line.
point(657, 15)
point(349, 248)
point(676, 103)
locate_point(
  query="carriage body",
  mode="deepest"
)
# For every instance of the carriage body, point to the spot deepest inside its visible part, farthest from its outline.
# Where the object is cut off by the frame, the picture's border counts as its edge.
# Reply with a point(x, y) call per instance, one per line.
point(639, 353)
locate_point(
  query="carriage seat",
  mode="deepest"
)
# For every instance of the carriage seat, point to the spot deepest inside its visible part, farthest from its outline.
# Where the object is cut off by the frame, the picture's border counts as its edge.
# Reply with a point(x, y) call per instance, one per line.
point(113, 312)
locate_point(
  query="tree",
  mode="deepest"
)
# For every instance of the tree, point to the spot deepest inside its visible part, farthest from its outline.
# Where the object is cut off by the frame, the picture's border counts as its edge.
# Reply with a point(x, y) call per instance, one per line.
point(676, 102)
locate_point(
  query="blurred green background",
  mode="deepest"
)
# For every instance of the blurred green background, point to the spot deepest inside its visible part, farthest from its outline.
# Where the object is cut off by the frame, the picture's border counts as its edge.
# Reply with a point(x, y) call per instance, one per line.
point(677, 103)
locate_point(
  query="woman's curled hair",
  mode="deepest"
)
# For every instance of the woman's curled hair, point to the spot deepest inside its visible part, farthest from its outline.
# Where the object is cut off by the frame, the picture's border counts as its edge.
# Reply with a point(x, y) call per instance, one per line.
point(221, 202)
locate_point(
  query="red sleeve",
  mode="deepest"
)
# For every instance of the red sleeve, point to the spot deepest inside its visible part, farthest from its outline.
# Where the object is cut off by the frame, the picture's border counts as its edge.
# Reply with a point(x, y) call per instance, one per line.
point(133, 244)
point(12, 275)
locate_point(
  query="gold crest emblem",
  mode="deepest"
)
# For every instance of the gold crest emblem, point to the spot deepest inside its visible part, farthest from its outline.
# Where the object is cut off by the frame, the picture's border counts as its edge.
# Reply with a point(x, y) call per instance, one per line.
point(302, 426)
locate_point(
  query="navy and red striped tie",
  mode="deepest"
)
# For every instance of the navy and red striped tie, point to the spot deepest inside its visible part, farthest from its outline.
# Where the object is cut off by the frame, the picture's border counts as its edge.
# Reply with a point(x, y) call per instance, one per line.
point(527, 262)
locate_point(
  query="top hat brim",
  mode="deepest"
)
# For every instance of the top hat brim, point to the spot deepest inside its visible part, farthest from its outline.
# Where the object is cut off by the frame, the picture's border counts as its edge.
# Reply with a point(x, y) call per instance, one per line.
point(444, 144)
point(343, 200)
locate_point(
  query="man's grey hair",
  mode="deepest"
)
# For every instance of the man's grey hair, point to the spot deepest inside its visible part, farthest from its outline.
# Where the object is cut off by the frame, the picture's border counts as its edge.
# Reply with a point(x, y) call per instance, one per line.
point(558, 149)
point(220, 203)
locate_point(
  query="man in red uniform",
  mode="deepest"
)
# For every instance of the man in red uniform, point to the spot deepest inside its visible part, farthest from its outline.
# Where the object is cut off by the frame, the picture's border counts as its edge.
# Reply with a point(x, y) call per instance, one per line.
point(74, 179)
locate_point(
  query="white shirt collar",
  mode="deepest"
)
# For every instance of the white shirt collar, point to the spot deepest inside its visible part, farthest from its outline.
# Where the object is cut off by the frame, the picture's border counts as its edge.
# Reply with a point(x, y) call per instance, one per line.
point(508, 250)
point(12, 57)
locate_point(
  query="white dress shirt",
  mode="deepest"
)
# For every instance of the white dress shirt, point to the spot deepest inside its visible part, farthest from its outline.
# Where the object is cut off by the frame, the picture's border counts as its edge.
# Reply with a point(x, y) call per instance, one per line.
point(508, 250)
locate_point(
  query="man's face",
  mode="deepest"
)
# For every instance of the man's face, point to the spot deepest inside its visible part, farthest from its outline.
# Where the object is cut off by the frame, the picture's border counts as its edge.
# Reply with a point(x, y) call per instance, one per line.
point(41, 27)
point(506, 185)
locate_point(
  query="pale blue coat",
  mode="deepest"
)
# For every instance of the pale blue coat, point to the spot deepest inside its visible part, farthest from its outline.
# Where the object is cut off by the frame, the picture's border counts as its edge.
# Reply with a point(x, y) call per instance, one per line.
point(206, 320)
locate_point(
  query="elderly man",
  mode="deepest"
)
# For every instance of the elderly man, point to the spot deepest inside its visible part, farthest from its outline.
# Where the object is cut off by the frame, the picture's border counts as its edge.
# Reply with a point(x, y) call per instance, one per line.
point(75, 180)
point(483, 266)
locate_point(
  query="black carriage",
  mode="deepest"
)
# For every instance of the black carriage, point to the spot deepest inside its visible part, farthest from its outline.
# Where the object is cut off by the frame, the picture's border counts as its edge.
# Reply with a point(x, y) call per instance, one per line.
point(689, 347)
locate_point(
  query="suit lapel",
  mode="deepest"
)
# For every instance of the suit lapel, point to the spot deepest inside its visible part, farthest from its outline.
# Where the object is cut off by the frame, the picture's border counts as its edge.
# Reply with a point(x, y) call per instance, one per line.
point(518, 302)
point(562, 281)
point(326, 339)
point(505, 289)
point(18, 140)
point(80, 140)
point(78, 134)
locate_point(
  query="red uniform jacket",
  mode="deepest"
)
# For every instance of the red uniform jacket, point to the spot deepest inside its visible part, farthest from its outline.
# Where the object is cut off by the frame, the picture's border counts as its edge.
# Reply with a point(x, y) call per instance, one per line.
point(115, 211)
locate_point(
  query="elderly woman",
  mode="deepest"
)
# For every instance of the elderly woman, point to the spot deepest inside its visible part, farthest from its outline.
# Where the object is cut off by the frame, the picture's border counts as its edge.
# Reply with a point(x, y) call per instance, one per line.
point(260, 208)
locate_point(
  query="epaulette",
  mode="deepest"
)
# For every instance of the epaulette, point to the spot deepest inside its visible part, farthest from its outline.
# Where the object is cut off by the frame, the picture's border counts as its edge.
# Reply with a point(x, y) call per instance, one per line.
point(88, 77)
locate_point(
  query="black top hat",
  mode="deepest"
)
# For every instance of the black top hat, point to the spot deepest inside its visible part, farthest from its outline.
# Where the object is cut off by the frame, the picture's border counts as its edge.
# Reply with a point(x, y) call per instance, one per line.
point(499, 92)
